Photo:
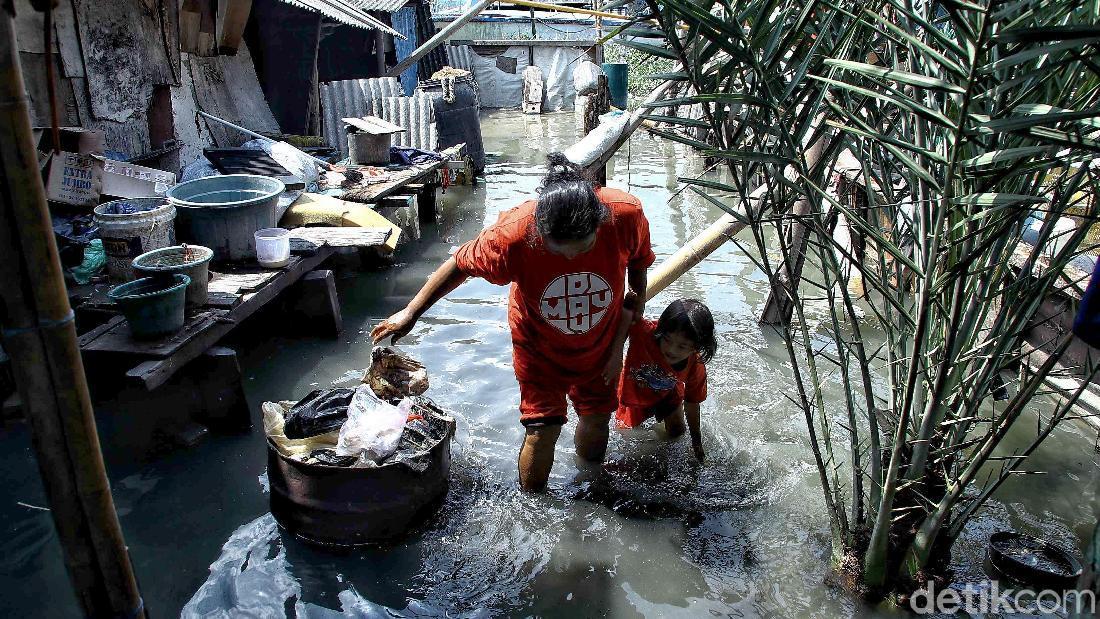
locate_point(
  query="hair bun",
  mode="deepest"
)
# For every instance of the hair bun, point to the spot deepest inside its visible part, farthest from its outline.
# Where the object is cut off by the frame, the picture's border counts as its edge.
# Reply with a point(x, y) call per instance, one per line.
point(561, 169)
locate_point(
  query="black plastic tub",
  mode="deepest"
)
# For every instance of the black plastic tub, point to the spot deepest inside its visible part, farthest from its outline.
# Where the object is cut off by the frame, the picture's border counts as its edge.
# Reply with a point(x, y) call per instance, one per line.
point(350, 507)
point(1032, 561)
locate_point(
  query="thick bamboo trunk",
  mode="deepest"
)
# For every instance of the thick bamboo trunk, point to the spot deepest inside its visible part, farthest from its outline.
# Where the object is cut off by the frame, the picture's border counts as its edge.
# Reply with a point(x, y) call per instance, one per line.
point(39, 333)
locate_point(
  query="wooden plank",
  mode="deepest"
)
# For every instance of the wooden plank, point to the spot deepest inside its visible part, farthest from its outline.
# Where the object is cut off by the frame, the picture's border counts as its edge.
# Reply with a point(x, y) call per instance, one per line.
point(585, 43)
point(119, 339)
point(343, 237)
point(91, 336)
point(373, 125)
point(232, 283)
point(152, 374)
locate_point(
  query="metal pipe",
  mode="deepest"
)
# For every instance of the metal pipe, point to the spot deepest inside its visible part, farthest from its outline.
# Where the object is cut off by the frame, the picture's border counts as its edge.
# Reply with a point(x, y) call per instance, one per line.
point(326, 165)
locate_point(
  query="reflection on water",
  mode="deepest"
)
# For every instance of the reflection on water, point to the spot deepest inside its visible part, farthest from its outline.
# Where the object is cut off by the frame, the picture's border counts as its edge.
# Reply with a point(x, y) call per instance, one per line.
point(651, 533)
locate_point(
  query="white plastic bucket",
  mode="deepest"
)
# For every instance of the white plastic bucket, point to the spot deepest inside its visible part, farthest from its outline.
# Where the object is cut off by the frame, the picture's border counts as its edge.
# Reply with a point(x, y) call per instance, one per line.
point(130, 228)
point(273, 247)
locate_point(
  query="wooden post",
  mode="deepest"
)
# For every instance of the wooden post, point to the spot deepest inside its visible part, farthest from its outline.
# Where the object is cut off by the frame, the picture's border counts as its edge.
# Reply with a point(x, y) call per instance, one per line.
point(316, 303)
point(779, 308)
point(219, 387)
point(379, 53)
point(208, 29)
point(232, 17)
point(40, 335)
point(190, 22)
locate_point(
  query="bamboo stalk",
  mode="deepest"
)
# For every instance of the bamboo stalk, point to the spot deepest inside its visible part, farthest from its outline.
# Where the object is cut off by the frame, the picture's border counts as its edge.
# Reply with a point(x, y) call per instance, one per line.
point(39, 333)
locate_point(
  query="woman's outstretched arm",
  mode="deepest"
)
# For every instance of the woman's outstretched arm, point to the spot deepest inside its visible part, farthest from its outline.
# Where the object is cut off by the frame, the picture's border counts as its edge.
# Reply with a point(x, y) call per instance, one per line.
point(445, 279)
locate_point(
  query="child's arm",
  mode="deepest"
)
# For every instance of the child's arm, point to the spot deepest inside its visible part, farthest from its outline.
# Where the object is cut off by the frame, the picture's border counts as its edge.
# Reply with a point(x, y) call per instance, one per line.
point(691, 414)
point(614, 365)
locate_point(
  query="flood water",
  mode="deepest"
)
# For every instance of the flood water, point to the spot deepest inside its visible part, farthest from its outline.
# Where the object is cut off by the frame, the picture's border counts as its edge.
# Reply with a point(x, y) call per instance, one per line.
point(652, 534)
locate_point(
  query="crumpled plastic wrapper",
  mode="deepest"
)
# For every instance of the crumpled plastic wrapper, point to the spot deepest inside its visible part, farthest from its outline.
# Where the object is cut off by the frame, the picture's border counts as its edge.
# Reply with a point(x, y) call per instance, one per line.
point(298, 449)
point(394, 375)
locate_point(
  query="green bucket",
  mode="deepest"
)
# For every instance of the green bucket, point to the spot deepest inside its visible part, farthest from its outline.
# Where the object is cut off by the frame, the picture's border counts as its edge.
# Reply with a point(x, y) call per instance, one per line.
point(152, 306)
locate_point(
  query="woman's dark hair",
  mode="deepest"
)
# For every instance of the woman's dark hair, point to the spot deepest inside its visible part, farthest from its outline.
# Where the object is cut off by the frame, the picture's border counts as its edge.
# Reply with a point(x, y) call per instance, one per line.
point(567, 207)
point(693, 319)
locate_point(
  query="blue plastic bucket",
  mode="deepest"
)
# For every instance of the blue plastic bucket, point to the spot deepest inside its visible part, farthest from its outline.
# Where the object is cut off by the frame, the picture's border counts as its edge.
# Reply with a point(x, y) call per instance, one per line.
point(617, 73)
point(224, 212)
point(152, 305)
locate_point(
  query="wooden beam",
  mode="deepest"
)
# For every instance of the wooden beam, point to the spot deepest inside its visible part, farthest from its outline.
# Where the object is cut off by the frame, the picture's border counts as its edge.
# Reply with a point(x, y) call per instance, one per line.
point(152, 374)
point(232, 17)
point(524, 42)
point(439, 38)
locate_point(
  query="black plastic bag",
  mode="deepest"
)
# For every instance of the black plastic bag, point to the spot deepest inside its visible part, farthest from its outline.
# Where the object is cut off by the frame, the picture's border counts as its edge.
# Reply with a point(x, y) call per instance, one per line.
point(320, 412)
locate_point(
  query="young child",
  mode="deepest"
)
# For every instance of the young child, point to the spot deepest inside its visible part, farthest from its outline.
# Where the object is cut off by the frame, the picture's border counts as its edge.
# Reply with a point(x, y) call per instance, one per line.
point(664, 375)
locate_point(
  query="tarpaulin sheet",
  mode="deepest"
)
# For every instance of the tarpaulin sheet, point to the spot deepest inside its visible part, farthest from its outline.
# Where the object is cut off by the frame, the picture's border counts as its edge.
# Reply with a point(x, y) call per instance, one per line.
point(500, 89)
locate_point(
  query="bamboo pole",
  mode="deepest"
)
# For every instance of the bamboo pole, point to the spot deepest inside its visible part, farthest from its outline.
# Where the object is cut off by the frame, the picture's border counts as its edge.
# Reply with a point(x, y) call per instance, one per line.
point(39, 334)
point(698, 248)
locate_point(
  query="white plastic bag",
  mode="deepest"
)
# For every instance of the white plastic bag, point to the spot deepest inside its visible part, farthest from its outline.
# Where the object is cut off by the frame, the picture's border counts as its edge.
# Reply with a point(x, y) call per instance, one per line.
point(373, 428)
point(586, 77)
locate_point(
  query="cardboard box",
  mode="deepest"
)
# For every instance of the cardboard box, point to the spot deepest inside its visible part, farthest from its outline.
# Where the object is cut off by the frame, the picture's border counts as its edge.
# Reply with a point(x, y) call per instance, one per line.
point(73, 140)
point(129, 180)
point(74, 179)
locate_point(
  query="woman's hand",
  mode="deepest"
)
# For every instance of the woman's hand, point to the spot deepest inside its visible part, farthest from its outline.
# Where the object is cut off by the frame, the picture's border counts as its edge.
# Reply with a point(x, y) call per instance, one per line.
point(397, 325)
point(614, 366)
point(635, 304)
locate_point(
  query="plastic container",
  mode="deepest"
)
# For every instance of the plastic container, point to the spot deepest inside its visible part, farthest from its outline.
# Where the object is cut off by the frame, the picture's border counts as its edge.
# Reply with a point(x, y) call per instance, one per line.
point(191, 260)
point(617, 73)
point(273, 247)
point(338, 506)
point(1032, 561)
point(224, 212)
point(152, 306)
point(130, 228)
point(458, 121)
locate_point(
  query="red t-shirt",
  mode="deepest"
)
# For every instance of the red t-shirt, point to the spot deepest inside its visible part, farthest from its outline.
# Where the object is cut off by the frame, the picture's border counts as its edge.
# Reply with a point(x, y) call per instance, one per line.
point(648, 378)
point(563, 312)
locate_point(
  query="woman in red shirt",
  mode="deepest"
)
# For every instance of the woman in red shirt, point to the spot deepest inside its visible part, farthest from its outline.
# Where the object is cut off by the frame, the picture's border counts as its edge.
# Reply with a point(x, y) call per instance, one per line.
point(572, 257)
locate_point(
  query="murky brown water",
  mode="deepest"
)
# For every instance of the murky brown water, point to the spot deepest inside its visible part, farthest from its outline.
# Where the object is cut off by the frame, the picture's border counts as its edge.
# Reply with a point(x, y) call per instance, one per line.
point(653, 535)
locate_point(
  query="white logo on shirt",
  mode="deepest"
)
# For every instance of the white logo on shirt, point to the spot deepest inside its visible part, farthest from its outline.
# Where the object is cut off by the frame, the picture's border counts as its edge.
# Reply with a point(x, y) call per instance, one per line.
point(576, 302)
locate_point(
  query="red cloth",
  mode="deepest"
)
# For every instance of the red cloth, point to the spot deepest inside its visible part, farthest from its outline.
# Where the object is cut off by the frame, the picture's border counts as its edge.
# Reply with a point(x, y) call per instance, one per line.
point(563, 312)
point(648, 382)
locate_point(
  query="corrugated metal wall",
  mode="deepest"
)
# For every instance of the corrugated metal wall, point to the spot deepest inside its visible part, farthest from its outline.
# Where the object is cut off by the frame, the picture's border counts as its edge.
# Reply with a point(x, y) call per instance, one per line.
point(416, 115)
point(353, 98)
point(460, 57)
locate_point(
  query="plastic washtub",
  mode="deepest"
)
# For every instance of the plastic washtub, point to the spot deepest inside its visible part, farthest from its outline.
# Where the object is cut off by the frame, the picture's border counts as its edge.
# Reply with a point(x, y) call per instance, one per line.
point(152, 306)
point(191, 260)
point(224, 212)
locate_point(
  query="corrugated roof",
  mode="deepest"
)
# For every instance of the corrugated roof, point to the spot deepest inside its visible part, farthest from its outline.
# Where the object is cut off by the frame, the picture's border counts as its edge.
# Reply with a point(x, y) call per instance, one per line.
point(347, 12)
point(388, 6)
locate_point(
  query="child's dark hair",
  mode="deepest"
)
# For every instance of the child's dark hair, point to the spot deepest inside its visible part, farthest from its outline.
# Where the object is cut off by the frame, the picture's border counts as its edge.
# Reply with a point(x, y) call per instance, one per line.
point(567, 208)
point(693, 319)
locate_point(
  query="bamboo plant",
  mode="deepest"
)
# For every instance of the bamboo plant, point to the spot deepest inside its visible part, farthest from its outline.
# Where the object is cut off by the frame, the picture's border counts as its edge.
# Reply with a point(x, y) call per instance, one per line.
point(937, 133)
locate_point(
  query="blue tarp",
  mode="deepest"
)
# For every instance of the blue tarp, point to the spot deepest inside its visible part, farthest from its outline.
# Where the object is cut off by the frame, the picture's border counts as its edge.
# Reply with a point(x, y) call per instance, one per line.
point(404, 21)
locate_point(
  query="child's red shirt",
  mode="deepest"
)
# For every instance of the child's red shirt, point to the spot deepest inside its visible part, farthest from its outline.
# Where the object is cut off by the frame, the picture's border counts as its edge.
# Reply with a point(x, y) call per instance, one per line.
point(648, 380)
